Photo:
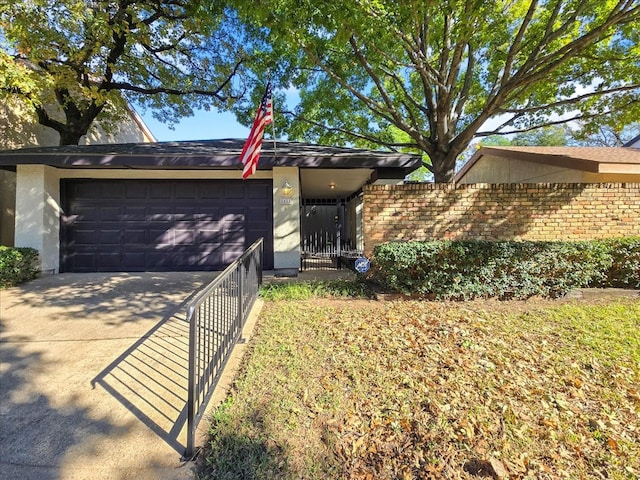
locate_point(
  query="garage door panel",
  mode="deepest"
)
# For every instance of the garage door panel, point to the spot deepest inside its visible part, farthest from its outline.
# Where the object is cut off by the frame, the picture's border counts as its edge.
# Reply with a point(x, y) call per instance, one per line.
point(158, 259)
point(135, 236)
point(234, 191)
point(233, 216)
point(211, 211)
point(161, 236)
point(185, 213)
point(109, 237)
point(212, 191)
point(86, 191)
point(114, 191)
point(260, 214)
point(186, 190)
point(209, 236)
point(161, 191)
point(131, 225)
point(135, 190)
point(233, 235)
point(260, 192)
point(213, 258)
point(135, 260)
point(109, 259)
point(82, 261)
point(160, 214)
point(87, 237)
point(184, 237)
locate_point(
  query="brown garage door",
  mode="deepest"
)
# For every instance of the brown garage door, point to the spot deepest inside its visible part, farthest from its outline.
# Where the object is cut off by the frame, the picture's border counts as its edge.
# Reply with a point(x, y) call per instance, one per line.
point(158, 225)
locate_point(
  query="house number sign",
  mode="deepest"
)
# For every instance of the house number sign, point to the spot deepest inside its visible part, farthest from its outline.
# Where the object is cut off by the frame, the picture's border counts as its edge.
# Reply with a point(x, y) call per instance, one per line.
point(362, 265)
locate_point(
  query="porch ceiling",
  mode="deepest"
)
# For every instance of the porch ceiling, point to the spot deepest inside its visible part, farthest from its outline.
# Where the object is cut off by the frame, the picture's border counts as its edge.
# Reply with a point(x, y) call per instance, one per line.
point(316, 182)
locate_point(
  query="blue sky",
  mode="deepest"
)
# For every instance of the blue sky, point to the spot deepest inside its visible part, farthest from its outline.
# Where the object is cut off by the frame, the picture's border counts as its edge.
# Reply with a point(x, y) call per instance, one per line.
point(202, 126)
point(209, 125)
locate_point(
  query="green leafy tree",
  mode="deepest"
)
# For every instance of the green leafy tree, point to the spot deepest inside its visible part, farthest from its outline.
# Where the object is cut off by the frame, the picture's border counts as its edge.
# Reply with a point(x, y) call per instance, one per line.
point(495, 141)
point(550, 136)
point(442, 71)
point(606, 135)
point(71, 61)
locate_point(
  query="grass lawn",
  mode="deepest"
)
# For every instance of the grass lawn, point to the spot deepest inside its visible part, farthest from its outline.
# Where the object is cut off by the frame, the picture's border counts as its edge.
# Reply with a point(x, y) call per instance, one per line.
point(361, 389)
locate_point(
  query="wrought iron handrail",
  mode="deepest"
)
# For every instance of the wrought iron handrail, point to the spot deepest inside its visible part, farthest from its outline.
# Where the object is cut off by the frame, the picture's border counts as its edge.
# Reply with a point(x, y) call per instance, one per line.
point(216, 316)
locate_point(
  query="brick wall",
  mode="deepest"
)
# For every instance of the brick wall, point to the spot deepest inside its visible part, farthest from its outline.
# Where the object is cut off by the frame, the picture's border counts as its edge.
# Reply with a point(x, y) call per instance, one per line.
point(566, 211)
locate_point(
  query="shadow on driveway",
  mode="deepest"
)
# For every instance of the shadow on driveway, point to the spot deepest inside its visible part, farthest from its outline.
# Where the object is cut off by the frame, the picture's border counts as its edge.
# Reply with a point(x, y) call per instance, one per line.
point(93, 374)
point(150, 379)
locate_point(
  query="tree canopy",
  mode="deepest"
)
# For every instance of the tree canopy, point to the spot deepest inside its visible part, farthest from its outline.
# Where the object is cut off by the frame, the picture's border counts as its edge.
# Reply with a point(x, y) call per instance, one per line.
point(73, 60)
point(446, 72)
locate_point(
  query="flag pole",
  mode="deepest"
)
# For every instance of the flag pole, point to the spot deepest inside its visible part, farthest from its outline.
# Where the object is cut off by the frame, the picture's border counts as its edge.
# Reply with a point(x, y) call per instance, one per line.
point(273, 133)
point(273, 122)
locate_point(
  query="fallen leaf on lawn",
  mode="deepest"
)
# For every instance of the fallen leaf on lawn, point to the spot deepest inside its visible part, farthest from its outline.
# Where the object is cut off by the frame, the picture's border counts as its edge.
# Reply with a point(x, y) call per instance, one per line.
point(575, 381)
point(406, 473)
point(498, 468)
point(613, 445)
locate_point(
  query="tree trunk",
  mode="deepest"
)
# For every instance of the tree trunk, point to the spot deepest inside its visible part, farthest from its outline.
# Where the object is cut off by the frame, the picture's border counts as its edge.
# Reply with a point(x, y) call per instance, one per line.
point(77, 123)
point(443, 166)
point(70, 137)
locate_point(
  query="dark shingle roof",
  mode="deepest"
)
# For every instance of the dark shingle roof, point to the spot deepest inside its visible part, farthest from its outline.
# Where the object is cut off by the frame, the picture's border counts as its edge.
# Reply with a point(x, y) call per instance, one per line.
point(205, 154)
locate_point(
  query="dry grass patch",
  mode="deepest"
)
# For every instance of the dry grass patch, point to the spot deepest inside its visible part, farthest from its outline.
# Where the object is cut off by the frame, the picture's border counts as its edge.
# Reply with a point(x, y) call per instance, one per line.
point(386, 390)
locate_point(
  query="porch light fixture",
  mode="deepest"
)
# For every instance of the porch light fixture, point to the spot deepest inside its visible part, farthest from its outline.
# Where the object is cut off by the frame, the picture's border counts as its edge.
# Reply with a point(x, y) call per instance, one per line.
point(287, 189)
point(332, 186)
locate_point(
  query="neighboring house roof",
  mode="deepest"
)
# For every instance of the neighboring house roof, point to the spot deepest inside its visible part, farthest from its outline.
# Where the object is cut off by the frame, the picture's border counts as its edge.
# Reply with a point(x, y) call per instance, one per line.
point(208, 154)
point(633, 143)
point(140, 123)
point(588, 159)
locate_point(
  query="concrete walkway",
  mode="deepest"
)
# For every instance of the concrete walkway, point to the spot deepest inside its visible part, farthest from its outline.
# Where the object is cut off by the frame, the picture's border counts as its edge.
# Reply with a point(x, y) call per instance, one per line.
point(93, 376)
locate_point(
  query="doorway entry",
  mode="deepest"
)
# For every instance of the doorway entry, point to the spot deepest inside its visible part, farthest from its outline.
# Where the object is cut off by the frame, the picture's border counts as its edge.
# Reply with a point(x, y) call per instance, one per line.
point(331, 231)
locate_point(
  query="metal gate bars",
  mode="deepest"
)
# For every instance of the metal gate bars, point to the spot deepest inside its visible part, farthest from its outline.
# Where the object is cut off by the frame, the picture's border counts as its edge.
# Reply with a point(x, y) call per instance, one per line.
point(216, 317)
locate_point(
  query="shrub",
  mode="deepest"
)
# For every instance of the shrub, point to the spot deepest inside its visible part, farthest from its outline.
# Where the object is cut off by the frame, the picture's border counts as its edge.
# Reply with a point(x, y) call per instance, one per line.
point(17, 265)
point(624, 271)
point(507, 269)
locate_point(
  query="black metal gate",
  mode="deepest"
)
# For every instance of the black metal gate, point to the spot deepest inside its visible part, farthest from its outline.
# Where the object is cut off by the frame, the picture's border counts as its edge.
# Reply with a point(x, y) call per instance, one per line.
point(327, 227)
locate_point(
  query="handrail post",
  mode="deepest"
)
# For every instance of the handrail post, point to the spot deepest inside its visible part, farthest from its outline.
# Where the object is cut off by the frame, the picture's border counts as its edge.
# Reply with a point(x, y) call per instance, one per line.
point(191, 399)
point(240, 295)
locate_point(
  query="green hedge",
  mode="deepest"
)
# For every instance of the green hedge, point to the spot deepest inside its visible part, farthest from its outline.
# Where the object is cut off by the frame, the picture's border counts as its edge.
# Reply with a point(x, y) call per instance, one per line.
point(624, 271)
point(17, 265)
point(508, 269)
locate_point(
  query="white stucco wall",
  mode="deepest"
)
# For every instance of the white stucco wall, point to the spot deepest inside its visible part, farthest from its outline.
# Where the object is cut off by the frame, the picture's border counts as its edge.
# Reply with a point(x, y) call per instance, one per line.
point(37, 222)
point(286, 221)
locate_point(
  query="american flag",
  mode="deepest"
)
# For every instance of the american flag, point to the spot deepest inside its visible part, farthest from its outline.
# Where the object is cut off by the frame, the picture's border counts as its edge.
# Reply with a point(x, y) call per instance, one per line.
point(251, 150)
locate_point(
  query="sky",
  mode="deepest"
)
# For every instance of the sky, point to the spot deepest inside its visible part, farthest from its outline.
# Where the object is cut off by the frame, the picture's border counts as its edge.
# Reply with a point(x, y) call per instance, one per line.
point(202, 126)
point(208, 125)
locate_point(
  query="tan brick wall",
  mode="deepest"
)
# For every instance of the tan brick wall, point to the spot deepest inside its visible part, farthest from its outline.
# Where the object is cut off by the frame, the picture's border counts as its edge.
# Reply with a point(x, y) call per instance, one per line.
point(563, 211)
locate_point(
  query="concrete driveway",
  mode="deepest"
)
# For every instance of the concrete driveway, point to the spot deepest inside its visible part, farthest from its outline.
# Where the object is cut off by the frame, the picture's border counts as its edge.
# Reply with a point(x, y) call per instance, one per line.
point(93, 376)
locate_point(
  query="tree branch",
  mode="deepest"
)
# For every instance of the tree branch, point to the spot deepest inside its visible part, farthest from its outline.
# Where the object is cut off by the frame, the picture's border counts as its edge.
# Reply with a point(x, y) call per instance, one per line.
point(545, 124)
point(176, 91)
point(391, 145)
point(568, 101)
point(517, 41)
point(370, 104)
